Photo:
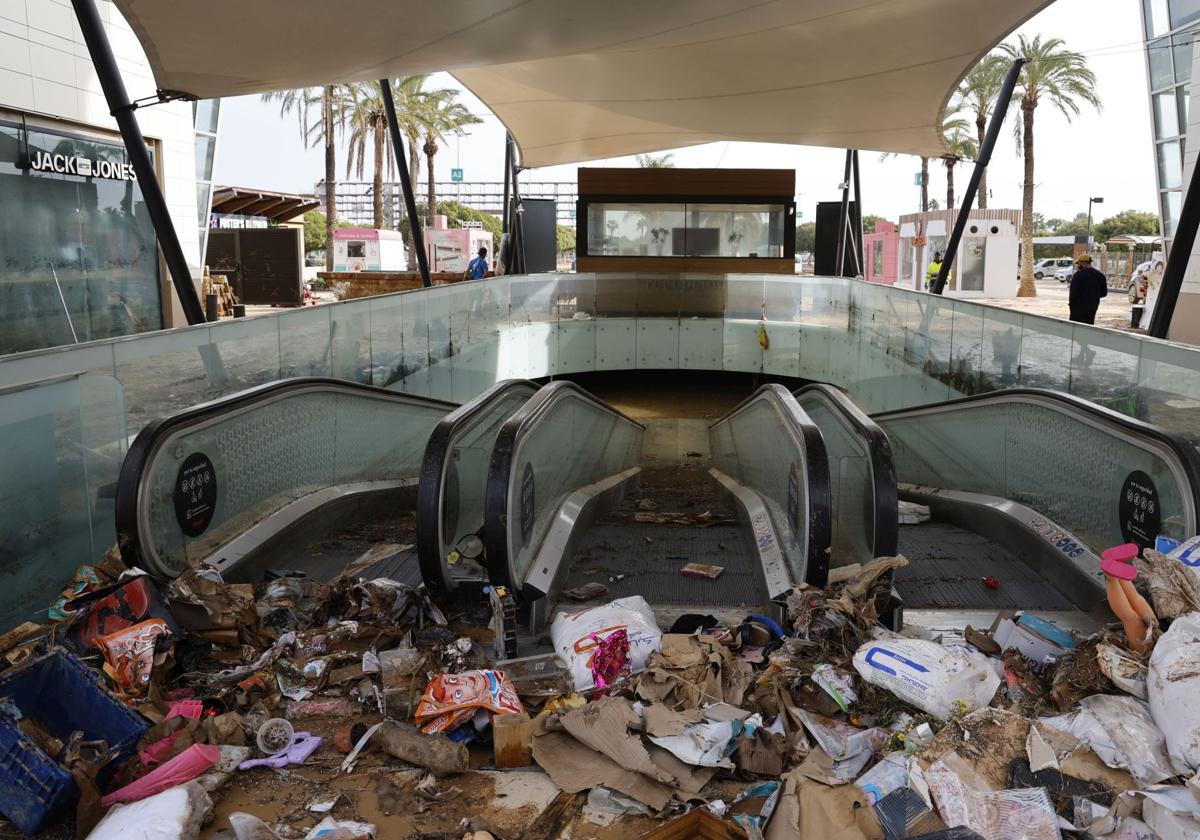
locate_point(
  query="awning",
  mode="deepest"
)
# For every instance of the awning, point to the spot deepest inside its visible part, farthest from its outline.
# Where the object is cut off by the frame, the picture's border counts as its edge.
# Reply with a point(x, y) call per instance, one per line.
point(576, 80)
point(272, 205)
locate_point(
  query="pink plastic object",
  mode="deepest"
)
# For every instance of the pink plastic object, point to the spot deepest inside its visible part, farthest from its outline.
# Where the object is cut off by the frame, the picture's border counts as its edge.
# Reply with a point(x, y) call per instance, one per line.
point(1118, 561)
point(303, 745)
point(159, 750)
point(182, 768)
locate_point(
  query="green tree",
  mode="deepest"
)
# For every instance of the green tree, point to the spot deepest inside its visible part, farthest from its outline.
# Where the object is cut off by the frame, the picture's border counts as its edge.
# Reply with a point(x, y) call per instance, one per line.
point(304, 101)
point(960, 146)
point(666, 161)
point(564, 238)
point(1074, 227)
point(806, 237)
point(977, 96)
point(1133, 222)
point(442, 115)
point(456, 213)
point(1059, 77)
point(316, 236)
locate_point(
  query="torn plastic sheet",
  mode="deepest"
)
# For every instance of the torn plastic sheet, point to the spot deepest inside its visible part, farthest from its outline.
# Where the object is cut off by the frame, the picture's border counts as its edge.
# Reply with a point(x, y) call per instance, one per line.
point(1173, 686)
point(994, 814)
point(1118, 728)
point(890, 773)
point(841, 740)
point(702, 744)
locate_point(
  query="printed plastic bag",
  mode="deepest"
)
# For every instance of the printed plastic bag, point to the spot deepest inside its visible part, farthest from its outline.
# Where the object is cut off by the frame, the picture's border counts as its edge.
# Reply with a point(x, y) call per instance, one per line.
point(935, 679)
point(1173, 686)
point(572, 636)
point(1118, 728)
point(452, 699)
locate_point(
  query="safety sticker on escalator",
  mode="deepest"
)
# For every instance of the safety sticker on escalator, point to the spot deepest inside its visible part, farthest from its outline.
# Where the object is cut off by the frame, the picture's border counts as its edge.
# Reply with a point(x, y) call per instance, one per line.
point(195, 494)
point(1139, 509)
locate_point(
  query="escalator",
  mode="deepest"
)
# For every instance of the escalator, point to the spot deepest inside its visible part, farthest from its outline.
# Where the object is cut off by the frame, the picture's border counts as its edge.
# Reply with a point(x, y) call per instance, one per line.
point(547, 490)
point(572, 501)
point(304, 475)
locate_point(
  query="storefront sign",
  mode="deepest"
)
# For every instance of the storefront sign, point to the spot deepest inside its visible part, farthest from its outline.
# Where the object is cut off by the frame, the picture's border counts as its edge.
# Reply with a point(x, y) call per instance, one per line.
point(41, 161)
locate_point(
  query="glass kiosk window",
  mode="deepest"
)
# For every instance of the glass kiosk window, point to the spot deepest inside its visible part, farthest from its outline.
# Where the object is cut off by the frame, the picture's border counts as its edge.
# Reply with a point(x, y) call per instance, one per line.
point(648, 229)
point(356, 248)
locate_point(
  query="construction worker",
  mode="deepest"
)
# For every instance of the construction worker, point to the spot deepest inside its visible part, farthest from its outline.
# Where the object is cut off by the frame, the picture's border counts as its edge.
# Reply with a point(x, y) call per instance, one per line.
point(934, 269)
point(1087, 287)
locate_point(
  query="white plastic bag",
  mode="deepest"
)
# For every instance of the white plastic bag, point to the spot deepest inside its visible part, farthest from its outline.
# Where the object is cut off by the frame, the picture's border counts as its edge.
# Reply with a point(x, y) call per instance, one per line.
point(175, 814)
point(571, 634)
point(933, 678)
point(1173, 687)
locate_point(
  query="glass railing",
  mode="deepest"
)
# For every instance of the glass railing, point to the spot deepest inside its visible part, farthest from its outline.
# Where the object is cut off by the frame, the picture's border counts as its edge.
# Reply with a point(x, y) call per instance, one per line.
point(862, 477)
point(769, 445)
point(1105, 477)
point(450, 498)
point(888, 348)
point(195, 481)
point(562, 440)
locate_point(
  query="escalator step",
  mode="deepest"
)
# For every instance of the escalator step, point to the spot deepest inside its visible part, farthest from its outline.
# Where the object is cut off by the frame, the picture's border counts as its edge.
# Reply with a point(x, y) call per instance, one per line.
point(651, 569)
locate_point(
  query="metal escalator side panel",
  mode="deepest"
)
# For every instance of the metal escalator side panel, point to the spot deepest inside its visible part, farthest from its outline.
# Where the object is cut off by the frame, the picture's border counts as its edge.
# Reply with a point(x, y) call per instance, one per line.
point(881, 503)
point(562, 440)
point(434, 489)
point(769, 444)
point(1106, 477)
point(196, 480)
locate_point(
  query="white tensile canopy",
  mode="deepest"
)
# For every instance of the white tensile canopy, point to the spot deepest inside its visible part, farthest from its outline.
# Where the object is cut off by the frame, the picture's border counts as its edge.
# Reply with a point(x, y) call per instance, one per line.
point(575, 80)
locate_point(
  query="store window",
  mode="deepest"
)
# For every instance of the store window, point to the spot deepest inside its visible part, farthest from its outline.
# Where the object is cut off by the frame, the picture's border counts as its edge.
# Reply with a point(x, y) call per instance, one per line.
point(1170, 165)
point(647, 229)
point(356, 249)
point(78, 255)
point(1183, 11)
point(1161, 73)
point(1181, 52)
point(1166, 115)
point(1157, 22)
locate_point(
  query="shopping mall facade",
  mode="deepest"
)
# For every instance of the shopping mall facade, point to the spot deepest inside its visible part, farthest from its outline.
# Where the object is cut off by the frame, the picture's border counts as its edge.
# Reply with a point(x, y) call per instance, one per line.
point(78, 255)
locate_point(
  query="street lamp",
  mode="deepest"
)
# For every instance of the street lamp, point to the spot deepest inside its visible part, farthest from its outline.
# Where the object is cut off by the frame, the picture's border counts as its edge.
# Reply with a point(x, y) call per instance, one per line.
point(1091, 201)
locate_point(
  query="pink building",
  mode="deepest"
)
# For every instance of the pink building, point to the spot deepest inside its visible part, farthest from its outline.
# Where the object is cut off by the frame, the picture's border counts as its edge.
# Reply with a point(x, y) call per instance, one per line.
point(882, 250)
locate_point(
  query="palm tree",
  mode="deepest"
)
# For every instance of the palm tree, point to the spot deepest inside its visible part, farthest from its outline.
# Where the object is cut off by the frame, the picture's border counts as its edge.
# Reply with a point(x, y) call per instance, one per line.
point(301, 101)
point(1062, 78)
point(959, 145)
point(977, 94)
point(367, 123)
point(666, 161)
point(442, 115)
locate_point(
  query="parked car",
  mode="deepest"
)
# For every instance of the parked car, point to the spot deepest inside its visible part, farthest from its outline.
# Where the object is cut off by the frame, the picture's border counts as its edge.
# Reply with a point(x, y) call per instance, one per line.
point(1063, 275)
point(1137, 283)
point(1049, 266)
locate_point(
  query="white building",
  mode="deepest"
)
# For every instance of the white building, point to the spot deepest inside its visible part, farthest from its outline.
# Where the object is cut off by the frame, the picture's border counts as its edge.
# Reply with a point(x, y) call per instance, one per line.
point(78, 255)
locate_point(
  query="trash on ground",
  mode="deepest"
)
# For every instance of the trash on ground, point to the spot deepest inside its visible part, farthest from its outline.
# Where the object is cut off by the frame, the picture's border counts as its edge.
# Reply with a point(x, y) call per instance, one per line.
point(912, 513)
point(701, 570)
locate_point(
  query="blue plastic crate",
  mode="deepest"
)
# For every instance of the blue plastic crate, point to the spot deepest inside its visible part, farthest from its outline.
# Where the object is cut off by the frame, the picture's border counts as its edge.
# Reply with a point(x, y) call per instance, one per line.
point(63, 695)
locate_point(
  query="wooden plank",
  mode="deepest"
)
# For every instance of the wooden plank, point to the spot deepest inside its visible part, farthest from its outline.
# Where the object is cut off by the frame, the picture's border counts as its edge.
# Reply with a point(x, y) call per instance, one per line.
point(767, 183)
point(512, 740)
point(703, 265)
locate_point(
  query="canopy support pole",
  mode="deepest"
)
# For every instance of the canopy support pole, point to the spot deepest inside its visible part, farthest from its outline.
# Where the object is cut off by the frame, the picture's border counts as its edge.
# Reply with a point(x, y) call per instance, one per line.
point(985, 156)
point(858, 228)
point(410, 203)
point(518, 224)
point(843, 216)
point(507, 176)
point(1177, 260)
point(139, 157)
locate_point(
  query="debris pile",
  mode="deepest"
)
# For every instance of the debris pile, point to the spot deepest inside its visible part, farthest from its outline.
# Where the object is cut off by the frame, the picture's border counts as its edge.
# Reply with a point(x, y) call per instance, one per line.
point(357, 708)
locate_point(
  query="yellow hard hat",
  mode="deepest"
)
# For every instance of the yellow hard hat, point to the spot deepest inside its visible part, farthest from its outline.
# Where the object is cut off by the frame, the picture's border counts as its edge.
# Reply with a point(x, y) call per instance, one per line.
point(1083, 258)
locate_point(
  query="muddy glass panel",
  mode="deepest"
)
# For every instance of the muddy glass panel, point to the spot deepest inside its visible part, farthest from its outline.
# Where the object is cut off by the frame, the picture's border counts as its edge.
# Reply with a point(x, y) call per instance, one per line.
point(646, 229)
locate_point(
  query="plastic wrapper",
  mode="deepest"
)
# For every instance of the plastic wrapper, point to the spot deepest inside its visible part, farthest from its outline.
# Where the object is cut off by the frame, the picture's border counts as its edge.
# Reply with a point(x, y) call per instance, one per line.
point(994, 814)
point(452, 699)
point(936, 679)
point(610, 661)
point(572, 635)
point(130, 653)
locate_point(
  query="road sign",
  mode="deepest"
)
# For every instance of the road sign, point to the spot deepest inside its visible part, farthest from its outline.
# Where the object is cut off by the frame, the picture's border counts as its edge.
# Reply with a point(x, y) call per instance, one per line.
point(456, 175)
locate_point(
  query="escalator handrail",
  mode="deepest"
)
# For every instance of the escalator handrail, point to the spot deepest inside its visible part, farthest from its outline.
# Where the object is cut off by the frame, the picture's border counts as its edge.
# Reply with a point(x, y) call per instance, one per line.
point(433, 476)
point(495, 521)
point(149, 439)
point(1175, 443)
point(819, 517)
point(883, 466)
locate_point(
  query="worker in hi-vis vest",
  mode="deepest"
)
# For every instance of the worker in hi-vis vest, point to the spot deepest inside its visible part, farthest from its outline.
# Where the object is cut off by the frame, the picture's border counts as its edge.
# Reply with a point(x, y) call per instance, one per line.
point(935, 267)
